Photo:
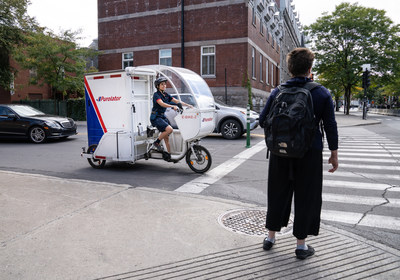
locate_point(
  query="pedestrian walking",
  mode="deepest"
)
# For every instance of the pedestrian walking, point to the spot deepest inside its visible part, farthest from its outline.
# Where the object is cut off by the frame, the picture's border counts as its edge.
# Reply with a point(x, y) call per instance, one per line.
point(300, 176)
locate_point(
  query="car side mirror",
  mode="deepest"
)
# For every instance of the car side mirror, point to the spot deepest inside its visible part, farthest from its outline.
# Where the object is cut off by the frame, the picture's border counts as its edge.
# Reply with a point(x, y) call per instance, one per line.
point(216, 107)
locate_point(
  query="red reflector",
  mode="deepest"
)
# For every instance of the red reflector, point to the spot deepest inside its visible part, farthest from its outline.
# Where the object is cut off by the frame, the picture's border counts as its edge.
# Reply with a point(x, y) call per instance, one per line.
point(98, 77)
point(136, 78)
point(100, 157)
point(115, 76)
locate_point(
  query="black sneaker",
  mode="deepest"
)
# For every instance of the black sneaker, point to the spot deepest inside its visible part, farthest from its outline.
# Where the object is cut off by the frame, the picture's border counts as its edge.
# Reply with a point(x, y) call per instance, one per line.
point(267, 245)
point(157, 147)
point(303, 254)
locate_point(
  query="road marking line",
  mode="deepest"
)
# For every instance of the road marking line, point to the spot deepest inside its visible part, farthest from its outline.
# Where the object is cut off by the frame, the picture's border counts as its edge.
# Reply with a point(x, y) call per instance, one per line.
point(345, 153)
point(366, 160)
point(370, 220)
point(369, 166)
point(340, 216)
point(361, 175)
point(360, 200)
point(379, 221)
point(201, 183)
point(359, 185)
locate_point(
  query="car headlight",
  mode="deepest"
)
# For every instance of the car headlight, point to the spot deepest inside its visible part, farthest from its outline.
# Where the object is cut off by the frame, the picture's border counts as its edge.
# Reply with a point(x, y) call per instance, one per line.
point(52, 124)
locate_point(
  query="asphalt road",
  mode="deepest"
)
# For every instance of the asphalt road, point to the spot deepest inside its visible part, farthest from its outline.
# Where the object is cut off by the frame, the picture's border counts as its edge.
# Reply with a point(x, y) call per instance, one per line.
point(247, 183)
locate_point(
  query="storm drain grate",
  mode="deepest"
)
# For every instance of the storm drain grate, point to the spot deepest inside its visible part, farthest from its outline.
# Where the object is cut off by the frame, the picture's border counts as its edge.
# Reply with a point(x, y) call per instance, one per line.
point(250, 222)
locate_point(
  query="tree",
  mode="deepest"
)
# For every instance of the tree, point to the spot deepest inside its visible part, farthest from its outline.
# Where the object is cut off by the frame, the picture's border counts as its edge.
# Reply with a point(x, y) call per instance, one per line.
point(350, 37)
point(56, 60)
point(13, 22)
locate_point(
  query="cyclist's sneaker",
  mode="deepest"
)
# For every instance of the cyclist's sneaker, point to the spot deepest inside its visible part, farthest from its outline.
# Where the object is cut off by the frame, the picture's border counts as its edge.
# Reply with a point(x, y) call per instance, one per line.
point(157, 146)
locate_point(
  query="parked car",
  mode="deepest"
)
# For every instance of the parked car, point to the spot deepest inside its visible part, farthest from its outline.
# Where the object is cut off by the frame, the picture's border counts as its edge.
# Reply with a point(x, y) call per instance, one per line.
point(23, 121)
point(230, 121)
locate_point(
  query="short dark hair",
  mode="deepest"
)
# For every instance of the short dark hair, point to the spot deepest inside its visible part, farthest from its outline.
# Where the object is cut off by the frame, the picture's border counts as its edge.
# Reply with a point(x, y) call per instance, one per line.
point(299, 61)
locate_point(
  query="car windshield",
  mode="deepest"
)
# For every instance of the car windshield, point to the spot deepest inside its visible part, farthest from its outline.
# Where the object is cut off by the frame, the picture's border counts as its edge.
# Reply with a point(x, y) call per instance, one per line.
point(26, 111)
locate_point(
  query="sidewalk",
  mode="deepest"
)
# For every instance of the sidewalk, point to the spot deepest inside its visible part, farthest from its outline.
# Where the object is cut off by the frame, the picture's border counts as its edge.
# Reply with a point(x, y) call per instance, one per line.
point(53, 228)
point(353, 120)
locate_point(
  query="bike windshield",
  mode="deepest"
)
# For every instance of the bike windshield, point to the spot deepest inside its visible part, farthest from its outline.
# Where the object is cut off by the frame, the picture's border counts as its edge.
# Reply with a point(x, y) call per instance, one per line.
point(186, 86)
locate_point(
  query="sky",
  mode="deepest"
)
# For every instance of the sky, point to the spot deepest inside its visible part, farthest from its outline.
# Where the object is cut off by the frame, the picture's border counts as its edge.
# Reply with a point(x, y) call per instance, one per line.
point(75, 15)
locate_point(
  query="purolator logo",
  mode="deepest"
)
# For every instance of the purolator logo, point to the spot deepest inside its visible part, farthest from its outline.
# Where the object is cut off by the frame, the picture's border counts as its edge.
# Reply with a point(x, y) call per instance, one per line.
point(207, 119)
point(108, 98)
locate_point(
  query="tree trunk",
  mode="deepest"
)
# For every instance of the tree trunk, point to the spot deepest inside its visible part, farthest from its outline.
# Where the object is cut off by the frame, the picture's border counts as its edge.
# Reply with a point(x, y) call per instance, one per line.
point(347, 95)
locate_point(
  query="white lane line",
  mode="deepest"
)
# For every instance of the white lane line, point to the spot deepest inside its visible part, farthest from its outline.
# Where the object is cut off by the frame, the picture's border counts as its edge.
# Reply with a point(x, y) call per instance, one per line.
point(360, 200)
point(201, 183)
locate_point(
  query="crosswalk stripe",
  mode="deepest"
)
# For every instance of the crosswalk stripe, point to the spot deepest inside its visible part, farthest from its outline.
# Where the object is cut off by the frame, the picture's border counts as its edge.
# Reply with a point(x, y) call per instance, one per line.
point(370, 220)
point(341, 153)
point(387, 222)
point(359, 185)
point(360, 175)
point(340, 216)
point(361, 200)
point(369, 166)
point(376, 160)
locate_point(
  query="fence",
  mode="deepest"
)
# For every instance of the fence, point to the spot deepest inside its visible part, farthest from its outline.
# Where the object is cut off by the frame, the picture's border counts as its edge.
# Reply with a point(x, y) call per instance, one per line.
point(73, 108)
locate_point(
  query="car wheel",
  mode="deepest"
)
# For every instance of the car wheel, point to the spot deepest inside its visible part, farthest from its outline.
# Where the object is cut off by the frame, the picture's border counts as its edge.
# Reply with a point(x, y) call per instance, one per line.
point(231, 129)
point(37, 135)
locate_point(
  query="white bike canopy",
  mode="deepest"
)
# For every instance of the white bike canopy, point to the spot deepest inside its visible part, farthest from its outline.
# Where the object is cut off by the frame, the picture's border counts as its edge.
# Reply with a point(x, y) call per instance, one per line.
point(183, 84)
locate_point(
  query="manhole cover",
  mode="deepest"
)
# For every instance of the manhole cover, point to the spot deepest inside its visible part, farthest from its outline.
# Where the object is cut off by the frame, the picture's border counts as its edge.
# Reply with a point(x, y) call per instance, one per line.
point(250, 222)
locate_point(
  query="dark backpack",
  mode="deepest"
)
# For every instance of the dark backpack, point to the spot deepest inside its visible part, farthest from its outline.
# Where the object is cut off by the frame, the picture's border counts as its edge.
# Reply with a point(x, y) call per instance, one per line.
point(290, 124)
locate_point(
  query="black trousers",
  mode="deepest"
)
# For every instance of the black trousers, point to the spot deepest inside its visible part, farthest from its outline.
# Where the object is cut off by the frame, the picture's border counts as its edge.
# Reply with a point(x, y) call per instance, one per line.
point(303, 178)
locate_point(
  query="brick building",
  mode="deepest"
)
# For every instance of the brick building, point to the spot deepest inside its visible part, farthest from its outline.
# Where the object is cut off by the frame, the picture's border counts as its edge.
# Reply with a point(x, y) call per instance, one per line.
point(222, 40)
point(21, 89)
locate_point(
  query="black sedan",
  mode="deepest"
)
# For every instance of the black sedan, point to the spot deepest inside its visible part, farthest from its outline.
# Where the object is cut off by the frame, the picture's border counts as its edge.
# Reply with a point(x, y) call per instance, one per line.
point(23, 121)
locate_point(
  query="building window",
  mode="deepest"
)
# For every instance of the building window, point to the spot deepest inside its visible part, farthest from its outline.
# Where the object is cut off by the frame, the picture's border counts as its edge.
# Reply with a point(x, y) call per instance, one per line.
point(262, 28)
point(127, 60)
point(253, 12)
point(261, 68)
point(33, 73)
point(266, 71)
point(166, 57)
point(272, 75)
point(253, 63)
point(208, 61)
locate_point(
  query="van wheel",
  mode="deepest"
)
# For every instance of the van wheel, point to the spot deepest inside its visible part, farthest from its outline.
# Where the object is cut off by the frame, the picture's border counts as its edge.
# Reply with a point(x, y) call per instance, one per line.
point(95, 163)
point(231, 129)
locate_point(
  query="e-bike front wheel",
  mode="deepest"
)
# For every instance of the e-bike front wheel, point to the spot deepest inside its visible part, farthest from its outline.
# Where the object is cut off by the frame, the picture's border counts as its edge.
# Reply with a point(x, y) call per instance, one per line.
point(200, 161)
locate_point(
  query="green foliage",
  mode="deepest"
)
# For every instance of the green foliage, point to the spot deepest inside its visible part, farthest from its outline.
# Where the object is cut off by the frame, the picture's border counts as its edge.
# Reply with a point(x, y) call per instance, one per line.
point(56, 60)
point(13, 22)
point(350, 37)
point(76, 109)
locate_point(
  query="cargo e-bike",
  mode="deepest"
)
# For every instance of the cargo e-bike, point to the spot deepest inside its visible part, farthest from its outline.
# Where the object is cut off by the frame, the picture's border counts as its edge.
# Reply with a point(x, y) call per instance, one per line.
point(118, 106)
